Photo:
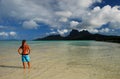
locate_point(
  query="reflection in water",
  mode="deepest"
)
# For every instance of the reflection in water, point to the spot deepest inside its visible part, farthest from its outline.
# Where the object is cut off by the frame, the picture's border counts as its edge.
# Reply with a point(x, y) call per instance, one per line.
point(102, 58)
point(63, 60)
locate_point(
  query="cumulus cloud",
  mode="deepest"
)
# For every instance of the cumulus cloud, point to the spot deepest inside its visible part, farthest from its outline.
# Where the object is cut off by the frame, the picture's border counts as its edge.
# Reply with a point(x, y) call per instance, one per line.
point(73, 24)
point(114, 25)
point(61, 14)
point(49, 11)
point(105, 30)
point(51, 33)
point(63, 19)
point(11, 34)
point(30, 24)
point(93, 30)
point(62, 32)
point(100, 16)
point(3, 34)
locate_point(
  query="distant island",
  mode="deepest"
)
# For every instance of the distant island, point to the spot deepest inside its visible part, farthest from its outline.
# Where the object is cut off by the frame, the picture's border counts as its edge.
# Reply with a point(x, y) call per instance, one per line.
point(83, 35)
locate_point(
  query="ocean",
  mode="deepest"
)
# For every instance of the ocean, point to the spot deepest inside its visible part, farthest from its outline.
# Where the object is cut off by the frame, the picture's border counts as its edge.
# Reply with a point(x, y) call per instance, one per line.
point(62, 60)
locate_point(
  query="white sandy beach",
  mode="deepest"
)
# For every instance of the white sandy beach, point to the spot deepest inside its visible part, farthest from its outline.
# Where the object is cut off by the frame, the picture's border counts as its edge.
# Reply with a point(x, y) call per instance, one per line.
point(59, 60)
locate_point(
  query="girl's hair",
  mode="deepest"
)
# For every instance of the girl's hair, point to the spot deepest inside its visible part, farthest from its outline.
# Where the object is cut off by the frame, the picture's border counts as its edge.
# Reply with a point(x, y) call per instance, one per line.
point(23, 41)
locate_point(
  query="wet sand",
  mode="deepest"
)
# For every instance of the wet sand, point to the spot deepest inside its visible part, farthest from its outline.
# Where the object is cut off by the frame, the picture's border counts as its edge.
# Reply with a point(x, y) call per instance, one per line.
point(61, 60)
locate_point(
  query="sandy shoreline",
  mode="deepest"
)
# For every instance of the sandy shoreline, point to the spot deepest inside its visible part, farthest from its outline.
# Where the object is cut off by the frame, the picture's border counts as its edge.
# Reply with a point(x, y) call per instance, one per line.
point(59, 62)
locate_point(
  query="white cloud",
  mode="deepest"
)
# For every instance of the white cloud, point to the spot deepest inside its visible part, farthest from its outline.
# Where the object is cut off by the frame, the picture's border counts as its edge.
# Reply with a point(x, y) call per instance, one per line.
point(51, 33)
point(93, 30)
point(73, 24)
point(62, 32)
point(30, 24)
point(56, 13)
point(7, 34)
point(98, 17)
point(49, 11)
point(3, 34)
point(12, 33)
point(63, 19)
point(105, 30)
point(63, 13)
point(114, 25)
point(23, 9)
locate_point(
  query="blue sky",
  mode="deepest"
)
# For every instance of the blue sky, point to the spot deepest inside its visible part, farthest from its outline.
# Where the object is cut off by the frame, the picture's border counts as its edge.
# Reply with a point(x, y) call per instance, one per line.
point(30, 19)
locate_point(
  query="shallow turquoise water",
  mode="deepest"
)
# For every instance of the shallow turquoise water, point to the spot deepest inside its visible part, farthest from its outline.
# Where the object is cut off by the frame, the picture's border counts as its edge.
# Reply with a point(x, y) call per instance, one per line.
point(100, 60)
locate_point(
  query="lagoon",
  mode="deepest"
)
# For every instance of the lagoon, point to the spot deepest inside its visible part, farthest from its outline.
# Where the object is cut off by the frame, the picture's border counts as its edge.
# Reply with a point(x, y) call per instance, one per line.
point(61, 60)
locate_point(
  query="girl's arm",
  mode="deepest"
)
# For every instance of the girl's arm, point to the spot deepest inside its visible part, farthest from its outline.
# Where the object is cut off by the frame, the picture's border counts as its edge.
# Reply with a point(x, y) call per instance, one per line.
point(19, 51)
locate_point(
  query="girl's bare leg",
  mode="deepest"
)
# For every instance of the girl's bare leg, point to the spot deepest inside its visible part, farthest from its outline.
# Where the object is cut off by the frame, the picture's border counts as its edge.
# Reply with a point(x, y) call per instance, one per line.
point(24, 65)
point(28, 65)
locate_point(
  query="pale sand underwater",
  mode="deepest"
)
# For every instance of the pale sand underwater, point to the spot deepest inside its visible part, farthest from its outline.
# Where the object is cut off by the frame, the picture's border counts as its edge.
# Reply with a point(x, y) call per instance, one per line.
point(62, 60)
